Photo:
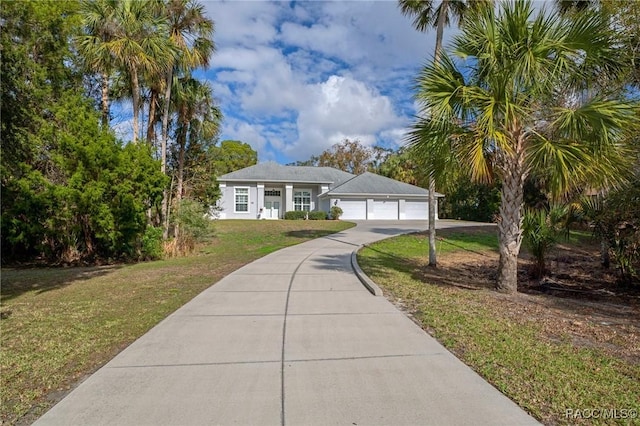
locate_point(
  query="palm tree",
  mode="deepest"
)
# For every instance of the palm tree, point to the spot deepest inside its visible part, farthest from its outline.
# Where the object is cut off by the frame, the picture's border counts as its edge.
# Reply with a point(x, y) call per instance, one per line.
point(427, 15)
point(198, 118)
point(139, 45)
point(99, 23)
point(499, 110)
point(192, 33)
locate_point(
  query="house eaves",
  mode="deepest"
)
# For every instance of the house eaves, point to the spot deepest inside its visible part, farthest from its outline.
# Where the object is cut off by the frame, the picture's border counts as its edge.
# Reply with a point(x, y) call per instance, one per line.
point(373, 185)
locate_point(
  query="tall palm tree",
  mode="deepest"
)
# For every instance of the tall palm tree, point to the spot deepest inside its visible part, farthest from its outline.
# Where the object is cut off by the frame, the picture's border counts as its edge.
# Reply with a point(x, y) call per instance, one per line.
point(192, 33)
point(99, 25)
point(427, 15)
point(139, 45)
point(198, 118)
point(500, 111)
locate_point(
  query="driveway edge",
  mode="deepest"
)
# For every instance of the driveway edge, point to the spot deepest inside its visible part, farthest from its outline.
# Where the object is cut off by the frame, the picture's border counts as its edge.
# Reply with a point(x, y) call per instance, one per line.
point(364, 279)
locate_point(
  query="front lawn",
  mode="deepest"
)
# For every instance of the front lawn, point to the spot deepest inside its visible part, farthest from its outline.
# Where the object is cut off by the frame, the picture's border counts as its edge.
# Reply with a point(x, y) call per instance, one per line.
point(553, 354)
point(60, 324)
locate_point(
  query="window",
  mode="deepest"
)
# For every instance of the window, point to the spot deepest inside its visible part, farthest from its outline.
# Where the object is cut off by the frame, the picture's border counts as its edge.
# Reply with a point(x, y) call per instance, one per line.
point(242, 200)
point(272, 192)
point(302, 201)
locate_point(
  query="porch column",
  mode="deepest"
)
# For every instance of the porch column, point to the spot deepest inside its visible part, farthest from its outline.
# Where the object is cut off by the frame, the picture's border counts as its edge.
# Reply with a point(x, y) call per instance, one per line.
point(220, 202)
point(288, 197)
point(260, 198)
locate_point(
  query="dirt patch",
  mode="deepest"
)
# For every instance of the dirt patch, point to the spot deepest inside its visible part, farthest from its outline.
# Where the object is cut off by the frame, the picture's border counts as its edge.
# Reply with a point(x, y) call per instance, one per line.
point(578, 301)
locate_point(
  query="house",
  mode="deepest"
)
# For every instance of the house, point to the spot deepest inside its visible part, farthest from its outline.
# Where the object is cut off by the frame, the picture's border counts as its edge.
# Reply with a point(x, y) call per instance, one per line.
point(268, 190)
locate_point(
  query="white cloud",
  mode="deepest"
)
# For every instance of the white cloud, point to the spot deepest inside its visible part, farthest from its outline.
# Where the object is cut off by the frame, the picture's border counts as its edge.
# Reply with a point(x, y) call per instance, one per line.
point(244, 23)
point(245, 132)
point(340, 108)
point(293, 79)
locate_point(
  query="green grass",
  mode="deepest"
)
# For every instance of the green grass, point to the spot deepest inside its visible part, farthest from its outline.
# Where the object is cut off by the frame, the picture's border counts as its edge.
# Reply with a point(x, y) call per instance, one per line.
point(59, 324)
point(544, 376)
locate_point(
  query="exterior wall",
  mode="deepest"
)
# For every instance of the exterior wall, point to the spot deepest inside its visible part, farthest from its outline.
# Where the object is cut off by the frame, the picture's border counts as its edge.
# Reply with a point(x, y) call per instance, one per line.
point(227, 201)
point(257, 200)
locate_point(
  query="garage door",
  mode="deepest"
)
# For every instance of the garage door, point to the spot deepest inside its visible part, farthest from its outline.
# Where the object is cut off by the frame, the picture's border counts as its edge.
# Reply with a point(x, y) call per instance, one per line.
point(416, 210)
point(353, 209)
point(385, 209)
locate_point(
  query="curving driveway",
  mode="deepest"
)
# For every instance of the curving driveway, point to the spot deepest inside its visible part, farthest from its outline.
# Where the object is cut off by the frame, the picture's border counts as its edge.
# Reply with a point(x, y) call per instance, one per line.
point(293, 338)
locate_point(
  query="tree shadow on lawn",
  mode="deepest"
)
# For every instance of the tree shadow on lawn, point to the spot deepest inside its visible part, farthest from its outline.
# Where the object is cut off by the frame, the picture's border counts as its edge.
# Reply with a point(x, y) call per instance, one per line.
point(17, 281)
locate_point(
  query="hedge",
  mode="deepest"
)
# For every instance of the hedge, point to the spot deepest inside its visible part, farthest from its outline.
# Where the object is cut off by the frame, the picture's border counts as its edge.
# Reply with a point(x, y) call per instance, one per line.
point(302, 215)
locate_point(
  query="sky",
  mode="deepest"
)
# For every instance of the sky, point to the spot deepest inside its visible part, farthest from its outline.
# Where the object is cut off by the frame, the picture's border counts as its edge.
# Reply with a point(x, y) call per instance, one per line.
point(294, 78)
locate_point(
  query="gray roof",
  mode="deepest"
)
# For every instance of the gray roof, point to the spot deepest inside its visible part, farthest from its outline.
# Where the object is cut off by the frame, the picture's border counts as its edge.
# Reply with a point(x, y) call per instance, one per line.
point(373, 184)
point(341, 183)
point(274, 172)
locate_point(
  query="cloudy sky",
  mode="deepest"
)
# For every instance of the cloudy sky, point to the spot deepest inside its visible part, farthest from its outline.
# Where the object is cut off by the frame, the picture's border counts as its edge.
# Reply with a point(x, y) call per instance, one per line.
point(293, 78)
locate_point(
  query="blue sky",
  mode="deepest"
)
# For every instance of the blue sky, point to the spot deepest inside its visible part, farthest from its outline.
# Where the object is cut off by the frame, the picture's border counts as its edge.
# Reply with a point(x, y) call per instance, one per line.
point(293, 78)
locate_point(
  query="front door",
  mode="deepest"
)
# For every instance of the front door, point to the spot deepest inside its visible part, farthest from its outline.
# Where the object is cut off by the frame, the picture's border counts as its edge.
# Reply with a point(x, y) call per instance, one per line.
point(271, 207)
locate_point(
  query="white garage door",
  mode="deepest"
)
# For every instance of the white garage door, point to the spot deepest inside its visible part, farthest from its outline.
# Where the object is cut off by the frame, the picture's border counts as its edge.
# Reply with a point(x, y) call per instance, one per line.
point(385, 209)
point(353, 209)
point(416, 210)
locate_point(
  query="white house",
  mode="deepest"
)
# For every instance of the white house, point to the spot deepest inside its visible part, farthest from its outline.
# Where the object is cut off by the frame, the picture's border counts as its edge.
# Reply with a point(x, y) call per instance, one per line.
point(268, 190)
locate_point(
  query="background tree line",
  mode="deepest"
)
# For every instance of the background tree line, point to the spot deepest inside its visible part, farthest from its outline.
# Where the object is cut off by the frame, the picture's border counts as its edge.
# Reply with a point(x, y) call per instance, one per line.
point(71, 190)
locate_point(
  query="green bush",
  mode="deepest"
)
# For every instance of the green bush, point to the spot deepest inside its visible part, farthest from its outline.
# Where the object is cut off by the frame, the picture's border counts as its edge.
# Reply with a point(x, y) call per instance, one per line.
point(336, 212)
point(192, 225)
point(317, 215)
point(303, 215)
point(152, 247)
point(295, 215)
point(541, 230)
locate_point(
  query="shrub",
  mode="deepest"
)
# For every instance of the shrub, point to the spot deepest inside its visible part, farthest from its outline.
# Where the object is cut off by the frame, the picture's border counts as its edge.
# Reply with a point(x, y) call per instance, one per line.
point(617, 222)
point(193, 225)
point(152, 246)
point(317, 215)
point(295, 215)
point(541, 230)
point(336, 212)
point(304, 215)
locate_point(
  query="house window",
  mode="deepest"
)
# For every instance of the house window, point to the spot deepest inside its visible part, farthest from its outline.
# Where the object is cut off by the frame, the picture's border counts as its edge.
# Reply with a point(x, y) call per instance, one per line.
point(272, 193)
point(241, 200)
point(302, 201)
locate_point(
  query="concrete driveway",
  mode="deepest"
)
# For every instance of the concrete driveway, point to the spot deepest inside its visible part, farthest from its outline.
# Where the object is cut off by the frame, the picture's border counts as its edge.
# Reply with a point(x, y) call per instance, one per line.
point(293, 338)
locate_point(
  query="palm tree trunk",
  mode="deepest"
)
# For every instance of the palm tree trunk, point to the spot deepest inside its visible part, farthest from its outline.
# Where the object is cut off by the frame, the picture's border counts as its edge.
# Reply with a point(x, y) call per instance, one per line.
point(105, 100)
point(182, 144)
point(135, 98)
point(432, 184)
point(163, 149)
point(510, 225)
point(151, 122)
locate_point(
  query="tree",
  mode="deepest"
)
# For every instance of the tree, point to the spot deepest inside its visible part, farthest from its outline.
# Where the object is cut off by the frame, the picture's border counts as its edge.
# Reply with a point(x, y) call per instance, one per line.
point(426, 15)
point(98, 20)
point(233, 155)
point(349, 156)
point(403, 166)
point(624, 18)
point(501, 112)
point(198, 119)
point(192, 33)
point(138, 44)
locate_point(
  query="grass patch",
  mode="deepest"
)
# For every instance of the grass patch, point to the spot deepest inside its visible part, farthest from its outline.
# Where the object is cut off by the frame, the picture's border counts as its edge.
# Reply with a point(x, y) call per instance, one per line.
point(59, 324)
point(495, 334)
